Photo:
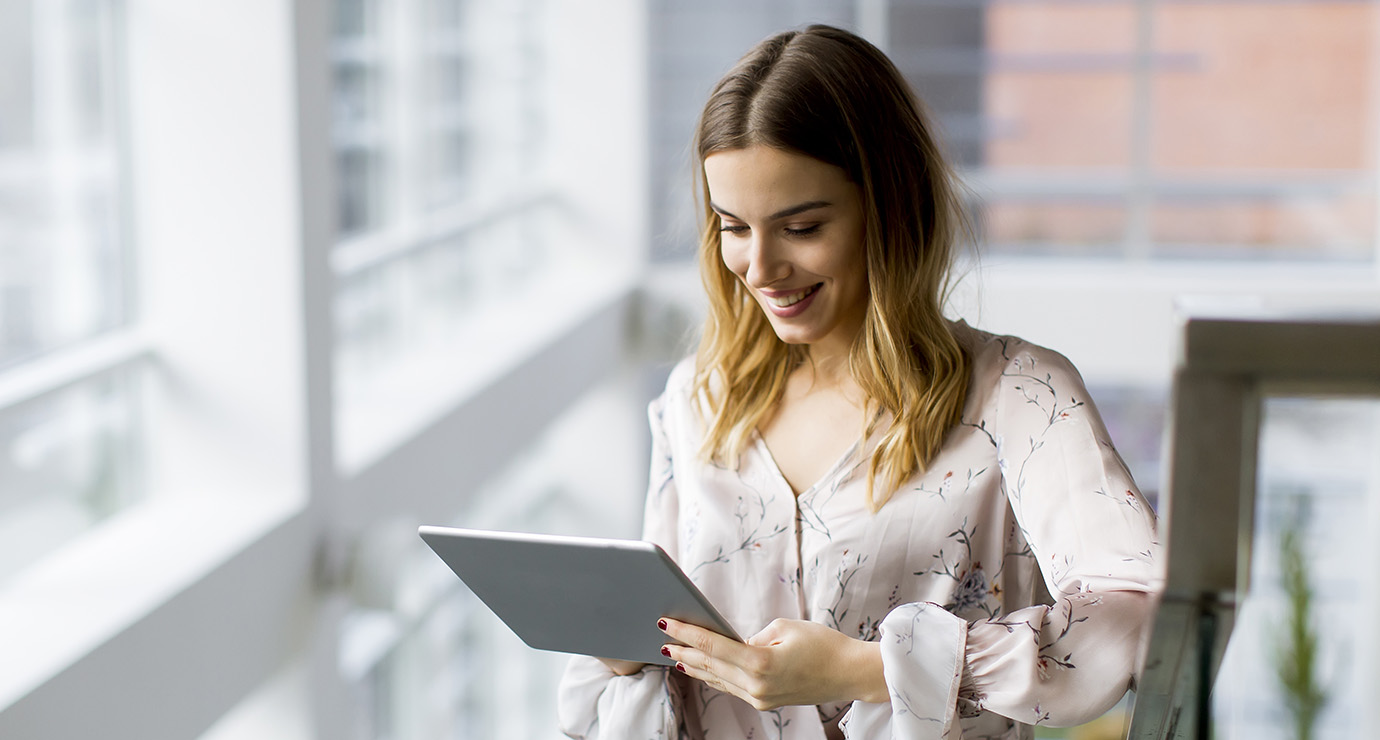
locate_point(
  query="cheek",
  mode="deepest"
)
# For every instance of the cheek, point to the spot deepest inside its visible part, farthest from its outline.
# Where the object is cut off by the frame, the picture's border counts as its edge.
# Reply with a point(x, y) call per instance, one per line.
point(847, 261)
point(853, 278)
point(734, 258)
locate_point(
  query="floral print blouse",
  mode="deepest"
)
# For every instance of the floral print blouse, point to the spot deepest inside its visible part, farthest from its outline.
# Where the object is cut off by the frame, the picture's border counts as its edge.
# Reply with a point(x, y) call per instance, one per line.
point(1010, 584)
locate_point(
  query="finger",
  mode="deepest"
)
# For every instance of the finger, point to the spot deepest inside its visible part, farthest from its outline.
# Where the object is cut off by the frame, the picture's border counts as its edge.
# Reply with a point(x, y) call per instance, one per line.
point(711, 644)
point(707, 653)
point(718, 674)
point(714, 680)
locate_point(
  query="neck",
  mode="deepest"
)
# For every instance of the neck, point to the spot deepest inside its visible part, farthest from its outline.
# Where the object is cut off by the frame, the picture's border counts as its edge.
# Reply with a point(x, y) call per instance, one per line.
point(829, 366)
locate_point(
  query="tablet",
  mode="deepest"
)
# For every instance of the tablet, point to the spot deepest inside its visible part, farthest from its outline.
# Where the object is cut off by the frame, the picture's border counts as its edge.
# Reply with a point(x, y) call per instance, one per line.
point(585, 595)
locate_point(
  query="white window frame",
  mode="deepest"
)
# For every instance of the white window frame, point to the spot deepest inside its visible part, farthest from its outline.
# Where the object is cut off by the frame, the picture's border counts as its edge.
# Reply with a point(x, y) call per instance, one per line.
point(162, 621)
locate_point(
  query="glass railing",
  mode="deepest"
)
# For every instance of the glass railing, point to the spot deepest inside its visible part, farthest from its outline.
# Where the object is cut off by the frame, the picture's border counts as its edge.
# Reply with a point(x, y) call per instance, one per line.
point(1271, 497)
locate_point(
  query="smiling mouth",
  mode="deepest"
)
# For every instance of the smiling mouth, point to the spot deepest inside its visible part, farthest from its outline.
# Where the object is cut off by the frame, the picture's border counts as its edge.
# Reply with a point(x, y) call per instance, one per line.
point(790, 299)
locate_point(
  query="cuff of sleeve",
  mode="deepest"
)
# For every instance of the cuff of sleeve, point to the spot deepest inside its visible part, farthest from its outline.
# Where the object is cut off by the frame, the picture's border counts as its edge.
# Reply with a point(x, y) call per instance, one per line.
point(969, 696)
point(923, 662)
point(593, 702)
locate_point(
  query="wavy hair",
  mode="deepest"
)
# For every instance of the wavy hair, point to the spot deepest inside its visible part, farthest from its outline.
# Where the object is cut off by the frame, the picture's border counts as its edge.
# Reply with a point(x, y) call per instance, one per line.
point(829, 94)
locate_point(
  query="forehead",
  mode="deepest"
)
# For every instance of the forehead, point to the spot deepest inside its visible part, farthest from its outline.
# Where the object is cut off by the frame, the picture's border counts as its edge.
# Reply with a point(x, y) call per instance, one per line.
point(759, 180)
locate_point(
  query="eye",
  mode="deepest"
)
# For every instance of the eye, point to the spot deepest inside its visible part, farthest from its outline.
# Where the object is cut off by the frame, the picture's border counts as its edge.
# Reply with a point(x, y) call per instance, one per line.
point(810, 230)
point(733, 228)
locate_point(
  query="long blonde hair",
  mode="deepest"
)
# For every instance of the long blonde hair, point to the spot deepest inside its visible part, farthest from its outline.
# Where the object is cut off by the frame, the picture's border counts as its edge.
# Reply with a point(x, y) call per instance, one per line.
point(830, 95)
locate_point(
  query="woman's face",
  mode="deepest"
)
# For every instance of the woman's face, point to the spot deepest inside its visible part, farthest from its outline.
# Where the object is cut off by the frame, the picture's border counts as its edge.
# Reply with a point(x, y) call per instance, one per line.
point(793, 233)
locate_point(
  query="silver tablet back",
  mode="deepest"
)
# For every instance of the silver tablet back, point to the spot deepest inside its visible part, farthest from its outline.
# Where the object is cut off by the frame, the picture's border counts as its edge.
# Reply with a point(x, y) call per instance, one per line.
point(590, 596)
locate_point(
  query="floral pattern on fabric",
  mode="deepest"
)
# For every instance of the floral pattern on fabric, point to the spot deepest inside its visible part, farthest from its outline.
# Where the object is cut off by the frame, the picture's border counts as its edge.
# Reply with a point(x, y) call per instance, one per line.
point(1010, 584)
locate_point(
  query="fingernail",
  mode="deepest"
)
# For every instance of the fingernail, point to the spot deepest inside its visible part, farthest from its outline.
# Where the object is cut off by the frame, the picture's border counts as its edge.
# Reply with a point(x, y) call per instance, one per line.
point(666, 651)
point(680, 667)
point(661, 624)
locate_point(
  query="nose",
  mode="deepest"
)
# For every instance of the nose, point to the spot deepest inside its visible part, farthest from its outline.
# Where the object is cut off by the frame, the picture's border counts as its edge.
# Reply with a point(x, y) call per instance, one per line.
point(766, 262)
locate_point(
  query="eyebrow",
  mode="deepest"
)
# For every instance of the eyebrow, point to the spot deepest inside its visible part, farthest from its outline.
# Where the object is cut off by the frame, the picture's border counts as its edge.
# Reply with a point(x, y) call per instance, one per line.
point(786, 213)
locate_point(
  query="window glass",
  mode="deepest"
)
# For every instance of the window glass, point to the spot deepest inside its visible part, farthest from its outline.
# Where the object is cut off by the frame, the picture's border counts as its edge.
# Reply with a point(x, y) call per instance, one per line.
point(443, 213)
point(64, 261)
point(1318, 486)
point(1168, 129)
point(1263, 133)
point(69, 458)
point(447, 115)
point(68, 461)
point(360, 68)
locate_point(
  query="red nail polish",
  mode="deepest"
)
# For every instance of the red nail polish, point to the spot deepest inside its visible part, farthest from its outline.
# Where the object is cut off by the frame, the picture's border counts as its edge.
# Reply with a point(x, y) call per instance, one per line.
point(680, 667)
point(661, 624)
point(666, 651)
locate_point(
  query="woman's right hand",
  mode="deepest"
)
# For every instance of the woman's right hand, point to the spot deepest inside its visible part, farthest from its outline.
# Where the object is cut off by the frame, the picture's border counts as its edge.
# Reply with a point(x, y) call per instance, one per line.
point(622, 667)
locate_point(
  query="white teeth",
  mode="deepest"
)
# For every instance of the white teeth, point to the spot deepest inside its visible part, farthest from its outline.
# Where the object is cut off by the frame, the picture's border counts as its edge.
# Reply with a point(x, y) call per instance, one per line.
point(792, 299)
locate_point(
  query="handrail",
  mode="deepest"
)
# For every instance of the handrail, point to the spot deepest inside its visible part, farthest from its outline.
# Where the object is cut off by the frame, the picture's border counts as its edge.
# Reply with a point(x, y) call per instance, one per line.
point(1230, 359)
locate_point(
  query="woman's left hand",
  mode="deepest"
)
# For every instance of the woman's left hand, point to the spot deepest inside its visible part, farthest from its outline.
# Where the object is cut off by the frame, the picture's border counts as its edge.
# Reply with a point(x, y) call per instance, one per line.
point(790, 662)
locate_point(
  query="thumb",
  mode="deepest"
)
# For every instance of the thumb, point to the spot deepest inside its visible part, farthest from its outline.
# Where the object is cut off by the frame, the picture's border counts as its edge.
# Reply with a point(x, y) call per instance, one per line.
point(771, 634)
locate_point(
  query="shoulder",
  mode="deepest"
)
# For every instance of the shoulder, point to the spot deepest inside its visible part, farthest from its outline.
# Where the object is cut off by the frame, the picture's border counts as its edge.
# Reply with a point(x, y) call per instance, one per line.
point(1009, 372)
point(997, 356)
point(680, 384)
point(682, 375)
point(675, 398)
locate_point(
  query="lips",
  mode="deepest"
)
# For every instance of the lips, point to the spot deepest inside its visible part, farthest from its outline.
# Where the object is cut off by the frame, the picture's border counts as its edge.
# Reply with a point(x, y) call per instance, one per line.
point(786, 304)
point(783, 300)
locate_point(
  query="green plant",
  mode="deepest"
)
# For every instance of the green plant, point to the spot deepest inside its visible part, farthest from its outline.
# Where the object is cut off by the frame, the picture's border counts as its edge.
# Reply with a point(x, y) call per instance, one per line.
point(1296, 642)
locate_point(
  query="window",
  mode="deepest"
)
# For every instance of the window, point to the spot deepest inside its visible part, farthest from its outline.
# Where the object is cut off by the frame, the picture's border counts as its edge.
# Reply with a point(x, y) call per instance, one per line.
point(72, 460)
point(1103, 130)
point(444, 204)
point(1318, 484)
point(64, 258)
point(70, 413)
point(287, 308)
point(1169, 129)
point(499, 249)
point(424, 657)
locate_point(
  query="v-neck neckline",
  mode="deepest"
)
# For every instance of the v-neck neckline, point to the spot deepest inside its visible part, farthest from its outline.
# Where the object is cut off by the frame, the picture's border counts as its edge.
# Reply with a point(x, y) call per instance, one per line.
point(761, 444)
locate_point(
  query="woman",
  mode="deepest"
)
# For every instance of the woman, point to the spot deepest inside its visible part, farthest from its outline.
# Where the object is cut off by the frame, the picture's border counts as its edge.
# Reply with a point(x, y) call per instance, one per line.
point(924, 527)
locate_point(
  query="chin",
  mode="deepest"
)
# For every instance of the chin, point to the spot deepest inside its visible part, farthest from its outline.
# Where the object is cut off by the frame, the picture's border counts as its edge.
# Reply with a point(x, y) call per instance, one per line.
point(792, 335)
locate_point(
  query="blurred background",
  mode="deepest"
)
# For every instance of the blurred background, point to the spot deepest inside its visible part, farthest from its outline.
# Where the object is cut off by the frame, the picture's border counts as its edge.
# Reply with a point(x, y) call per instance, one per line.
point(281, 281)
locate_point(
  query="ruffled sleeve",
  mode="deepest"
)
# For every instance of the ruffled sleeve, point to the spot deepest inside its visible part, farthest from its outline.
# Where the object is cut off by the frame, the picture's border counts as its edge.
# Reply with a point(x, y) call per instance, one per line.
point(1092, 534)
point(922, 662)
point(595, 703)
